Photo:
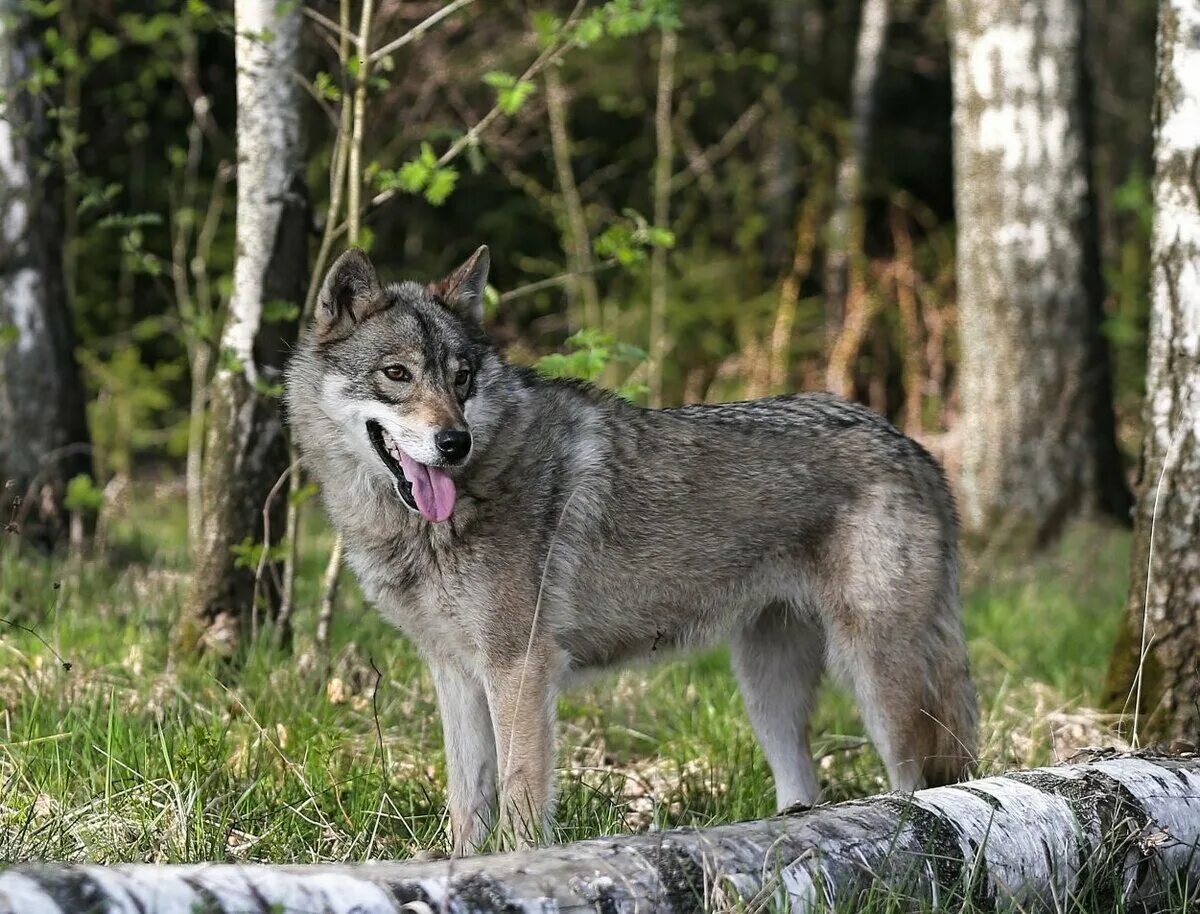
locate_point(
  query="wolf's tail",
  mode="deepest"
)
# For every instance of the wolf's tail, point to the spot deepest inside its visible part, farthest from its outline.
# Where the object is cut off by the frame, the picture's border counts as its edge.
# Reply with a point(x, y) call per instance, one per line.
point(951, 705)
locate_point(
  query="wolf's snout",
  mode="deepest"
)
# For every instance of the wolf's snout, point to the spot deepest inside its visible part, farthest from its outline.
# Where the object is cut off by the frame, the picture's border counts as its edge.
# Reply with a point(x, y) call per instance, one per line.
point(453, 444)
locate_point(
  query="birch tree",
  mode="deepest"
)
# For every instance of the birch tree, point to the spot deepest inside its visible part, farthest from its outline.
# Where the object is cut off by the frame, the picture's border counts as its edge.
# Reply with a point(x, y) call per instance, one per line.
point(246, 450)
point(1037, 424)
point(848, 313)
point(43, 430)
point(1155, 672)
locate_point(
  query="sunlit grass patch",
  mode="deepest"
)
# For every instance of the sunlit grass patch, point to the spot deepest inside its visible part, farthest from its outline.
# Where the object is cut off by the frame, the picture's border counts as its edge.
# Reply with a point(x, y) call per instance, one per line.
point(111, 752)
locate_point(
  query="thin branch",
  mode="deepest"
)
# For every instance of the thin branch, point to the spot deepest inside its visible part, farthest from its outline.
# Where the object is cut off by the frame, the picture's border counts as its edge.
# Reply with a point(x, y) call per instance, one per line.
point(551, 55)
point(703, 163)
point(417, 30)
point(340, 33)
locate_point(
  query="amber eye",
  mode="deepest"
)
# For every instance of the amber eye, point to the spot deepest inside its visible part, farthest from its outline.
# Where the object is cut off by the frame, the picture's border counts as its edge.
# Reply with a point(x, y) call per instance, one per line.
point(397, 373)
point(463, 377)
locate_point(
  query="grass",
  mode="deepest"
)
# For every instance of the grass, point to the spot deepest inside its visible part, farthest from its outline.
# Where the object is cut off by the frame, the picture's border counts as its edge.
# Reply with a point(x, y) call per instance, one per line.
point(110, 752)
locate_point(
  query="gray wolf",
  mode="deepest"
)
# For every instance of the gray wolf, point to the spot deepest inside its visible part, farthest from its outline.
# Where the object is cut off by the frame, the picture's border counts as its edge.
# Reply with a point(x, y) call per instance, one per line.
point(522, 531)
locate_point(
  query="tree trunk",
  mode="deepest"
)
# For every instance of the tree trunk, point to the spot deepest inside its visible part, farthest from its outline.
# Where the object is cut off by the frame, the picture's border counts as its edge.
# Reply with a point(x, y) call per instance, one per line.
point(1123, 832)
point(847, 312)
point(782, 160)
point(1155, 671)
point(664, 154)
point(246, 449)
point(1038, 442)
point(582, 294)
point(43, 428)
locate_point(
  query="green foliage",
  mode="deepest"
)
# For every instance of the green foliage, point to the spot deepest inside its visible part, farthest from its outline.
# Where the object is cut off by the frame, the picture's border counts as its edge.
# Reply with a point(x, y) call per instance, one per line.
point(422, 175)
point(282, 763)
point(511, 92)
point(249, 554)
point(271, 389)
point(1127, 278)
point(134, 409)
point(303, 494)
point(83, 495)
point(588, 354)
point(626, 18)
point(230, 362)
point(630, 241)
point(326, 88)
point(278, 311)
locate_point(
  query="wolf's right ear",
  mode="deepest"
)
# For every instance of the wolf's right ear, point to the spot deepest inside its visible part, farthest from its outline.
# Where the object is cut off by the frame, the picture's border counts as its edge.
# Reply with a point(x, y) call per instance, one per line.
point(462, 291)
point(350, 294)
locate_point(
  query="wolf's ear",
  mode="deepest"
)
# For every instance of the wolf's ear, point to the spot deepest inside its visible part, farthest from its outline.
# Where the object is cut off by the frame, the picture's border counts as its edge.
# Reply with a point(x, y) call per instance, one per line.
point(462, 290)
point(350, 294)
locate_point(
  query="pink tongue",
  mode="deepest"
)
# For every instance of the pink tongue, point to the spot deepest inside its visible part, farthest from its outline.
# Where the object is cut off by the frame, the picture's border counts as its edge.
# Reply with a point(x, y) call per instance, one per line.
point(433, 490)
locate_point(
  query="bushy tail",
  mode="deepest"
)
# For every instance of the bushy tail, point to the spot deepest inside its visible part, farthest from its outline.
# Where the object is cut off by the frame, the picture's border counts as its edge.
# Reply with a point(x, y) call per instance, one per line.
point(952, 706)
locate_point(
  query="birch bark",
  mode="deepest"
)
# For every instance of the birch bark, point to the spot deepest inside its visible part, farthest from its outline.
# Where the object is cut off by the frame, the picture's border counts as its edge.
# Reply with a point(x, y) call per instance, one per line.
point(1124, 831)
point(43, 429)
point(1155, 672)
point(246, 451)
point(1038, 442)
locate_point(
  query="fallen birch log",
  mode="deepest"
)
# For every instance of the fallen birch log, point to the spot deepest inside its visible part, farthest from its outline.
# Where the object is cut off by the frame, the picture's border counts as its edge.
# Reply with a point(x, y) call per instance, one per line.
point(1119, 830)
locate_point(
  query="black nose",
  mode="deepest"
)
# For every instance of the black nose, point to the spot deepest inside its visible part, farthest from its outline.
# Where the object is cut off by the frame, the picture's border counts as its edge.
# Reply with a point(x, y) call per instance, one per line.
point(452, 443)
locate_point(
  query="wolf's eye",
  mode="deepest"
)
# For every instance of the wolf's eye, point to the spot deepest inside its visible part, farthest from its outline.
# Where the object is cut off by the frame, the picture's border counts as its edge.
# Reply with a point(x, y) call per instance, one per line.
point(463, 377)
point(397, 373)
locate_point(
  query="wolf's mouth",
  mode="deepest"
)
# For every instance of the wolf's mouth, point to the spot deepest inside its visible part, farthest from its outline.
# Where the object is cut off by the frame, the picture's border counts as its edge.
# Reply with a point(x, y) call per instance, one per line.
point(428, 490)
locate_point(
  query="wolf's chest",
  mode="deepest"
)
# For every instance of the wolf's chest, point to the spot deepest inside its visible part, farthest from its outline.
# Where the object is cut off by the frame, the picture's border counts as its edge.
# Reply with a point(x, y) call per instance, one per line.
point(430, 594)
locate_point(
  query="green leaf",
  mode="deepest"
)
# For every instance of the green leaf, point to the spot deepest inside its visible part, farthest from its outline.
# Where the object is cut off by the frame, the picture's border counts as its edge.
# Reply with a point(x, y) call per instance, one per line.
point(498, 79)
point(248, 553)
point(512, 98)
point(547, 26)
point(326, 88)
point(102, 45)
point(303, 494)
point(83, 495)
point(270, 389)
point(441, 185)
point(230, 362)
point(280, 311)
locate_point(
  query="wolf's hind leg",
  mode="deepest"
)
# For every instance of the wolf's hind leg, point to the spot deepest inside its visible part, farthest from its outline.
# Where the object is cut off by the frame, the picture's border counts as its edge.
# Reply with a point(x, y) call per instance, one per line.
point(778, 659)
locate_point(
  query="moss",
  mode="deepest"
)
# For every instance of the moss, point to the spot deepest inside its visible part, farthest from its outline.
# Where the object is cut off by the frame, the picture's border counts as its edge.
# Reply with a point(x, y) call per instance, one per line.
point(940, 848)
point(478, 892)
point(681, 877)
point(1121, 681)
point(1101, 804)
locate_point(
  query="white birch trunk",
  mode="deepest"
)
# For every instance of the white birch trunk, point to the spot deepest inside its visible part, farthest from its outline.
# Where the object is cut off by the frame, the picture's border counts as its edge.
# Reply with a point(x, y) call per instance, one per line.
point(1124, 830)
point(270, 155)
point(1034, 375)
point(1163, 610)
point(246, 450)
point(847, 203)
point(43, 431)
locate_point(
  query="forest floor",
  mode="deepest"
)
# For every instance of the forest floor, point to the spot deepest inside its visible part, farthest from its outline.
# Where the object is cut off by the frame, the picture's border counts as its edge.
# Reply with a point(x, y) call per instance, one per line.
point(111, 753)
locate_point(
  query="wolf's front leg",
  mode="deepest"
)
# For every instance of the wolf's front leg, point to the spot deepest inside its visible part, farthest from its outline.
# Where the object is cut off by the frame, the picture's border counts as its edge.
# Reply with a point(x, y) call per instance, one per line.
point(521, 692)
point(470, 755)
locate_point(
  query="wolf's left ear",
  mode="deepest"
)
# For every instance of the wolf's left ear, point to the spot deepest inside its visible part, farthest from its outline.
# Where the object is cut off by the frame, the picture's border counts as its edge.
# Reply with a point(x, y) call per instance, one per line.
point(351, 293)
point(462, 290)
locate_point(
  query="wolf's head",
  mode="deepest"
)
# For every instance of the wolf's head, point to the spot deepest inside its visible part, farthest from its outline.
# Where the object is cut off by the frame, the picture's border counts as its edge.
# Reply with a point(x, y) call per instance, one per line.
point(398, 372)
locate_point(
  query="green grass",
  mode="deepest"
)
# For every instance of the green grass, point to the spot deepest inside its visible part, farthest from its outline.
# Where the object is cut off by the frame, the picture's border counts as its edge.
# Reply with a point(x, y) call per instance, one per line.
point(125, 756)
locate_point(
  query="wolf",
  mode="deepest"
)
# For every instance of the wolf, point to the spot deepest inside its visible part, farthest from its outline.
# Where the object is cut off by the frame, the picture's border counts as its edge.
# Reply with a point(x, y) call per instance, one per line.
point(523, 531)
